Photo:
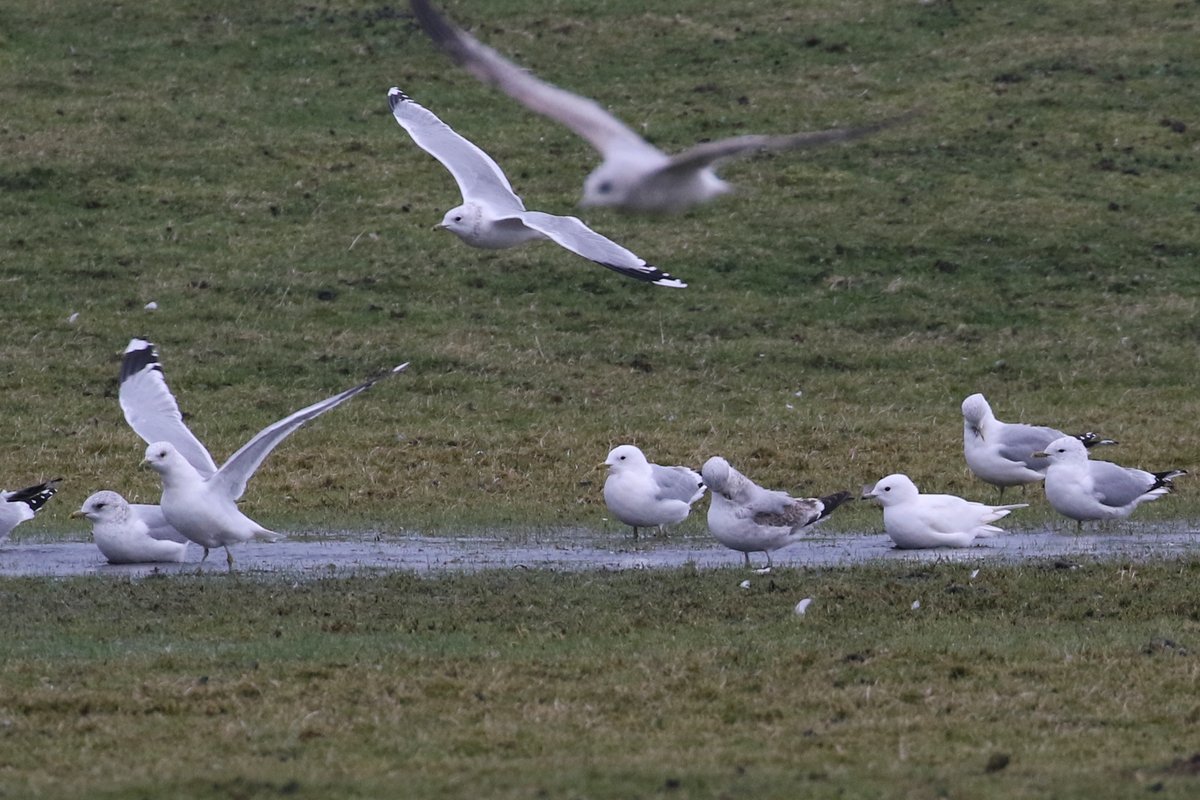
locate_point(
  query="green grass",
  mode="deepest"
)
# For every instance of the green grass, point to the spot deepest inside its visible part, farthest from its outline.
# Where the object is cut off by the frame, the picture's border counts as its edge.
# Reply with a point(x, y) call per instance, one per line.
point(1027, 680)
point(1032, 235)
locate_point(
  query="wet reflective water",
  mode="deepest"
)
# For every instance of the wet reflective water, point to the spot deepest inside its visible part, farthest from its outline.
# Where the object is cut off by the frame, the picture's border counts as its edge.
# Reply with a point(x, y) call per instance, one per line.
point(578, 550)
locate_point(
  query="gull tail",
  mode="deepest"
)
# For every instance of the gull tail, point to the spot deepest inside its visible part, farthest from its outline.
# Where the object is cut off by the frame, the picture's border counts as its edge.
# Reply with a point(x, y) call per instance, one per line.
point(35, 496)
point(264, 535)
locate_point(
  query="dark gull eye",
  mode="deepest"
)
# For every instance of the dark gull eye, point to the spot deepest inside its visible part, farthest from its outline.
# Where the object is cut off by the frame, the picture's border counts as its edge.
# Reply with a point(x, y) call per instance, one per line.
point(604, 188)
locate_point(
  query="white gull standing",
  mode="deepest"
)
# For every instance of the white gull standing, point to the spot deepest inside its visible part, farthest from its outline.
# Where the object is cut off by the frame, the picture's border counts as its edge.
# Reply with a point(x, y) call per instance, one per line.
point(746, 517)
point(645, 495)
point(20, 505)
point(634, 175)
point(199, 500)
point(1001, 453)
point(131, 533)
point(1082, 489)
point(492, 216)
point(914, 520)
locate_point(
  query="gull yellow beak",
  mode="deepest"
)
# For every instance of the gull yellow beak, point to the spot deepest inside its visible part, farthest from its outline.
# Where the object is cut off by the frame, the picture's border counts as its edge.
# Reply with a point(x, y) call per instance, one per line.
point(77, 514)
point(145, 462)
point(601, 465)
point(1040, 454)
point(437, 227)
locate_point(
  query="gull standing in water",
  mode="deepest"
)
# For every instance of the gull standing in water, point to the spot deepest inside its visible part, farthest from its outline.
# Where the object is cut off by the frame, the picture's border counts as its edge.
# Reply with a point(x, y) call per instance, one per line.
point(199, 500)
point(492, 216)
point(644, 495)
point(744, 516)
point(634, 175)
point(1001, 453)
point(1082, 489)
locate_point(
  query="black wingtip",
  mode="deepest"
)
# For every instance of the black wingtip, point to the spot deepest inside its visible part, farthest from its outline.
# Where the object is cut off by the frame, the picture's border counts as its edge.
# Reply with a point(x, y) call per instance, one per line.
point(138, 355)
point(1091, 440)
point(35, 496)
point(1163, 479)
point(396, 97)
point(833, 501)
point(648, 274)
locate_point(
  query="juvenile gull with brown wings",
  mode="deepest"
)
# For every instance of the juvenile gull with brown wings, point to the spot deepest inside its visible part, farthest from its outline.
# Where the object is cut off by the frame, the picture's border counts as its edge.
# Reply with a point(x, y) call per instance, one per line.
point(744, 516)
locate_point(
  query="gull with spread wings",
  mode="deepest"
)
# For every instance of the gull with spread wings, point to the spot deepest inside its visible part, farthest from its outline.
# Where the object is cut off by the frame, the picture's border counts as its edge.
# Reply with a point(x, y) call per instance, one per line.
point(634, 175)
point(492, 216)
point(198, 499)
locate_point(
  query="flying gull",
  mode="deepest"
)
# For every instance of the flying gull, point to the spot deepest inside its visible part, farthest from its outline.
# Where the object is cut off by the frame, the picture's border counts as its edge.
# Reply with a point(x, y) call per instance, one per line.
point(634, 175)
point(492, 216)
point(198, 499)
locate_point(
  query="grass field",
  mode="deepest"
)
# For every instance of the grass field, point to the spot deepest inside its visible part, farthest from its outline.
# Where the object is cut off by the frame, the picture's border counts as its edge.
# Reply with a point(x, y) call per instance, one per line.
point(1035, 680)
point(1032, 235)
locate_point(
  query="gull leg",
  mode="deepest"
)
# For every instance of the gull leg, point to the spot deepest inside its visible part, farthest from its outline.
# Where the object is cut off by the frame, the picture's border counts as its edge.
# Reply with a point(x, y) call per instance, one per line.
point(767, 553)
point(746, 555)
point(229, 558)
point(204, 556)
point(635, 532)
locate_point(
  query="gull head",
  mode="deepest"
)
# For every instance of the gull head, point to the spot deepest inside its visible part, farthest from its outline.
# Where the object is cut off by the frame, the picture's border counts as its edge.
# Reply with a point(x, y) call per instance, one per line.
point(975, 411)
point(1064, 451)
point(891, 490)
point(463, 221)
point(103, 506)
point(625, 457)
point(723, 479)
point(717, 475)
point(606, 186)
point(163, 458)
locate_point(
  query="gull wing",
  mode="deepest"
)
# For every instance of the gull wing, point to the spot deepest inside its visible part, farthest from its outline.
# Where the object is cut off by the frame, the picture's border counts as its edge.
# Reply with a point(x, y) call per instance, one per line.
point(1018, 442)
point(571, 233)
point(677, 483)
point(151, 410)
point(585, 117)
point(156, 524)
point(235, 472)
point(479, 178)
point(707, 154)
point(1114, 485)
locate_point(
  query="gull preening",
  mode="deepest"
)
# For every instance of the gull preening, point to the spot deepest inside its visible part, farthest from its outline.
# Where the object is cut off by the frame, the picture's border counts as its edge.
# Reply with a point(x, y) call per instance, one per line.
point(198, 499)
point(131, 533)
point(1001, 453)
point(914, 520)
point(21, 504)
point(634, 174)
point(645, 495)
point(492, 216)
point(744, 516)
point(1082, 489)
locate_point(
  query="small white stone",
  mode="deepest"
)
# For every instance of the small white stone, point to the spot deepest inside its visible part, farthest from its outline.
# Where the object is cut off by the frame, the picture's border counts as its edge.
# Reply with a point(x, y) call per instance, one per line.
point(916, 604)
point(803, 605)
point(974, 574)
point(744, 584)
point(151, 306)
point(71, 319)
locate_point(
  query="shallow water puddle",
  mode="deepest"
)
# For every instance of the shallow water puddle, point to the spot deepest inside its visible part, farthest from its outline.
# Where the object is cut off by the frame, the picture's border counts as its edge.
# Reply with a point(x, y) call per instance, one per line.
point(575, 550)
